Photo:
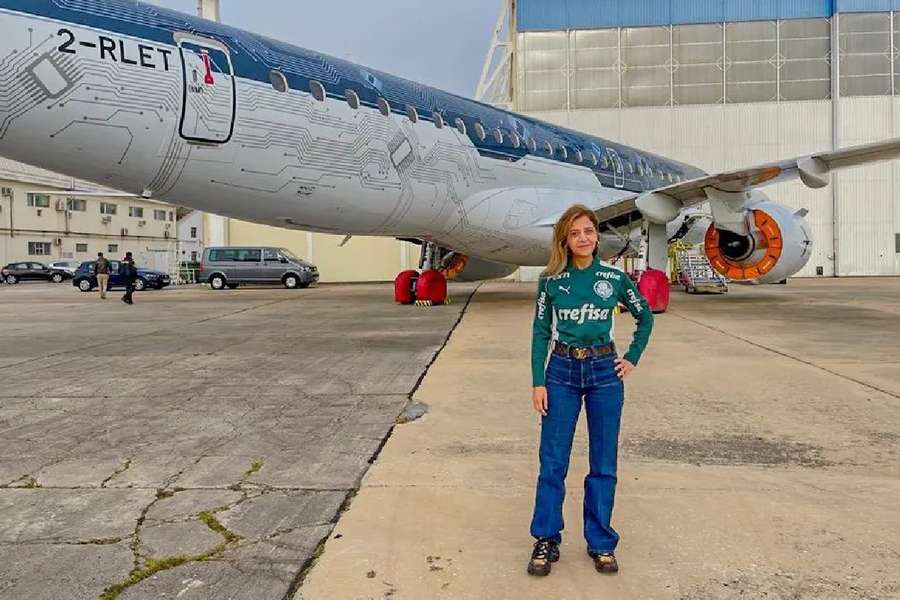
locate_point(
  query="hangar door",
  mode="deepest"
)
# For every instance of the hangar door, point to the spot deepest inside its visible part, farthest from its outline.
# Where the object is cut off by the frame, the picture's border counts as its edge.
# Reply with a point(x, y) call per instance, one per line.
point(209, 99)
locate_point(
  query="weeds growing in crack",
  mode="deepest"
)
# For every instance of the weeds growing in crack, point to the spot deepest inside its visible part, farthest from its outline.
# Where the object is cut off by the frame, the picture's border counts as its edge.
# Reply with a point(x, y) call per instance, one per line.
point(27, 482)
point(254, 468)
point(213, 523)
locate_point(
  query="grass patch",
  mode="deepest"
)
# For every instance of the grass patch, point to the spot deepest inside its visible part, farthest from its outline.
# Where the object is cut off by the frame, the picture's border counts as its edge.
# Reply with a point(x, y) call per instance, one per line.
point(254, 468)
point(29, 483)
point(213, 523)
point(151, 568)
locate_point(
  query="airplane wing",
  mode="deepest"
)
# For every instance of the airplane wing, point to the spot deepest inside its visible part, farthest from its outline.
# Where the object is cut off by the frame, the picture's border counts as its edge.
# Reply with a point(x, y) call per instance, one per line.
point(814, 170)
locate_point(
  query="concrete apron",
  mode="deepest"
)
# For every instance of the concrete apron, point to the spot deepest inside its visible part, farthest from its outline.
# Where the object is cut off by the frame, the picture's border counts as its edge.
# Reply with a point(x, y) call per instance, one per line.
point(743, 472)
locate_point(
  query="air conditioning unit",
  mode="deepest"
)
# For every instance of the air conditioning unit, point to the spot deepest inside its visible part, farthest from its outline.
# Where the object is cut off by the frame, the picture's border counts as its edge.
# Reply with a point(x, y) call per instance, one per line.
point(60, 205)
point(141, 223)
point(106, 220)
point(124, 231)
point(6, 192)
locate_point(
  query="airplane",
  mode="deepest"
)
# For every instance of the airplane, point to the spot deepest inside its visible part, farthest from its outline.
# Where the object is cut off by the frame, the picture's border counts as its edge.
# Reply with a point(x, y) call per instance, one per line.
point(177, 108)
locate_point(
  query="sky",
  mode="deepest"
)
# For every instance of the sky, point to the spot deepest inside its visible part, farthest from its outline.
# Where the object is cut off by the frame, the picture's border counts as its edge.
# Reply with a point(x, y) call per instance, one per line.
point(442, 43)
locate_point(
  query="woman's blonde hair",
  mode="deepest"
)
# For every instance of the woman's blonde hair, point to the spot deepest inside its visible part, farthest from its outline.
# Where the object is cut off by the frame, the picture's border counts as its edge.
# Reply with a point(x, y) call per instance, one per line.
point(559, 252)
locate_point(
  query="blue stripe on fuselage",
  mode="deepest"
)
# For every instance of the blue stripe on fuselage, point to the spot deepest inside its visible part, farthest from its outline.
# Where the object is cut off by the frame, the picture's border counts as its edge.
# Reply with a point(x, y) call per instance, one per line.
point(254, 58)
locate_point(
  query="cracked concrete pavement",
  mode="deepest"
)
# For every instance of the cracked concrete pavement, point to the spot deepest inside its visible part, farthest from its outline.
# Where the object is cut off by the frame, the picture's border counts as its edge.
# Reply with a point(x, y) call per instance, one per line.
point(759, 459)
point(199, 444)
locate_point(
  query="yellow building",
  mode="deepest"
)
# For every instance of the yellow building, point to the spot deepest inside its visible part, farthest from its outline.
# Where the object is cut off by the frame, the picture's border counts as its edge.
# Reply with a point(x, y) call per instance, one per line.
point(43, 221)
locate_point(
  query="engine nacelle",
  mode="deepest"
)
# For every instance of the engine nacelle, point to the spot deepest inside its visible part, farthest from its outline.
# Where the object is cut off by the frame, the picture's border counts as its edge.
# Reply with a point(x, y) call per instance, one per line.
point(777, 246)
point(459, 267)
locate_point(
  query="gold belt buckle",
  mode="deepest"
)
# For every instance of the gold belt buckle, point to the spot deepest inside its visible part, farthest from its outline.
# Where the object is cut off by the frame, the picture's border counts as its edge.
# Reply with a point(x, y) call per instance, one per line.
point(581, 353)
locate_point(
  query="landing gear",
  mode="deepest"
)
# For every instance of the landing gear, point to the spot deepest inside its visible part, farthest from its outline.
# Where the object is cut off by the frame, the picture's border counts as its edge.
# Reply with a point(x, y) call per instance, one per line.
point(426, 287)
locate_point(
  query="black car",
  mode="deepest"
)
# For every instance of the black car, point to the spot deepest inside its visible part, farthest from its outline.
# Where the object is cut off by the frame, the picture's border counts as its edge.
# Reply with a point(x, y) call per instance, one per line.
point(86, 277)
point(13, 273)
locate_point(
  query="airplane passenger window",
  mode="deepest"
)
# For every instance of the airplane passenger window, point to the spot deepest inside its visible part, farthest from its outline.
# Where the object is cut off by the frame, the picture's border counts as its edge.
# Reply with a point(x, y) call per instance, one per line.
point(498, 136)
point(670, 178)
point(384, 107)
point(352, 99)
point(412, 113)
point(563, 152)
point(479, 131)
point(279, 81)
point(594, 160)
point(548, 148)
point(516, 140)
point(438, 119)
point(641, 169)
point(579, 156)
point(532, 145)
point(605, 163)
point(630, 167)
point(317, 90)
point(460, 125)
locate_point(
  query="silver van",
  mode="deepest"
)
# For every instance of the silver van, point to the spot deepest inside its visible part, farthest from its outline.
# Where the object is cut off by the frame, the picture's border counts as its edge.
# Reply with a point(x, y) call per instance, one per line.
point(231, 266)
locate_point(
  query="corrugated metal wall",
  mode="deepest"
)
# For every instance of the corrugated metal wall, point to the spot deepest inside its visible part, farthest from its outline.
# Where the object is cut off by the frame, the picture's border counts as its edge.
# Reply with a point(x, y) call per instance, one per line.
point(725, 95)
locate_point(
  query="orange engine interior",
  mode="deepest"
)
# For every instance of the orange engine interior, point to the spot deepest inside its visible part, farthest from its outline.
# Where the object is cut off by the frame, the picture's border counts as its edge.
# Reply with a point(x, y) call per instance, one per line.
point(768, 248)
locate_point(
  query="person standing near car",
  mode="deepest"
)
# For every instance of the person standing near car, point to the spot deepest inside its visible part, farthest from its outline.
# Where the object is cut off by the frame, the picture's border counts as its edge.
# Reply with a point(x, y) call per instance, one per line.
point(102, 269)
point(129, 273)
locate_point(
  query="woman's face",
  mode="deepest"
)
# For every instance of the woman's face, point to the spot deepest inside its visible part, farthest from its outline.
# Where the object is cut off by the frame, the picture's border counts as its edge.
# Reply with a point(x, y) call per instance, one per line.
point(582, 238)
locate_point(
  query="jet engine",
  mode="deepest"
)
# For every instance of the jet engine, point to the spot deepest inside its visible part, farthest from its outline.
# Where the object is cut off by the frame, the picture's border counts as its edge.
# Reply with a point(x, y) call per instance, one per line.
point(776, 246)
point(459, 267)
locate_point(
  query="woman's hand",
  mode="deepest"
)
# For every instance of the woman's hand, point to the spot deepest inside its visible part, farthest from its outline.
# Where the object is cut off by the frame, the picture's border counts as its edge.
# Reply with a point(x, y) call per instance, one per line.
point(623, 368)
point(539, 399)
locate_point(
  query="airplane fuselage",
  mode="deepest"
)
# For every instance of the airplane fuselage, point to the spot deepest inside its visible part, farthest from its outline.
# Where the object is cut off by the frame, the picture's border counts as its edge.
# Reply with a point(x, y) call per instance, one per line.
point(161, 104)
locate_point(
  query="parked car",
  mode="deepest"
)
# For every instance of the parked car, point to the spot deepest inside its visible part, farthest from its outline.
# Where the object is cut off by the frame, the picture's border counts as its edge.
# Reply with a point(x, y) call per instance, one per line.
point(232, 266)
point(86, 278)
point(13, 273)
point(69, 266)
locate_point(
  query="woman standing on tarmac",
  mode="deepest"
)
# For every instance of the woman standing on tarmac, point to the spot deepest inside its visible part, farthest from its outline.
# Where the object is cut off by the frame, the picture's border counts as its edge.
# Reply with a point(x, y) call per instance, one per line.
point(577, 297)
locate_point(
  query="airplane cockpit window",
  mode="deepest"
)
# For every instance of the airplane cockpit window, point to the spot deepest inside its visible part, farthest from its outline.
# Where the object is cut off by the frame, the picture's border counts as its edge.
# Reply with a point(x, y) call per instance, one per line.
point(412, 113)
point(563, 152)
point(548, 148)
point(317, 90)
point(279, 81)
point(498, 136)
point(384, 106)
point(460, 125)
point(479, 131)
point(352, 99)
point(438, 119)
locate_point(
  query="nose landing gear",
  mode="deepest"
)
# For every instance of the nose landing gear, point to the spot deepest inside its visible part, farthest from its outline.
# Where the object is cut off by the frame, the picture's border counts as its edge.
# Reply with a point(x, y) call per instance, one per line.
point(426, 287)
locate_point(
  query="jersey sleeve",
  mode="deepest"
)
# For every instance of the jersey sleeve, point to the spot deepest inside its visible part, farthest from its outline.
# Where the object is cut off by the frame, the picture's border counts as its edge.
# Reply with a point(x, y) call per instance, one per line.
point(541, 332)
point(640, 310)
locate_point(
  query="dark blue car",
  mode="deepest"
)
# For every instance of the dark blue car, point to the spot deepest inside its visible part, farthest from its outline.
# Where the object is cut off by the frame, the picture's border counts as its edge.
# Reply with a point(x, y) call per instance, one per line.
point(85, 278)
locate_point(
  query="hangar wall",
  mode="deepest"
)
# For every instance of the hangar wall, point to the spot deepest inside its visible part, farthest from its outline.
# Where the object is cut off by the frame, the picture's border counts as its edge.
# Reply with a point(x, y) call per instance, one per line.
point(723, 84)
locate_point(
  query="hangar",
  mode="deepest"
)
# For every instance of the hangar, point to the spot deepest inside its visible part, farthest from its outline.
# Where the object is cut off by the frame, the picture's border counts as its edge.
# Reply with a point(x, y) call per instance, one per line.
point(723, 84)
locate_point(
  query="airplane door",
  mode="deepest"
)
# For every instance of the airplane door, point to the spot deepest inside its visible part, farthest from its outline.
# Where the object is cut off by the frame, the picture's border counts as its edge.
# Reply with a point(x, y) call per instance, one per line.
point(617, 169)
point(209, 100)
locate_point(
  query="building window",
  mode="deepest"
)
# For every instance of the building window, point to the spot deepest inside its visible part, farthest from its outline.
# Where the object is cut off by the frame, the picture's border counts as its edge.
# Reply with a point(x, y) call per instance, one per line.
point(193, 256)
point(317, 90)
point(38, 248)
point(112, 248)
point(107, 208)
point(865, 53)
point(76, 204)
point(172, 215)
point(193, 233)
point(81, 248)
point(384, 106)
point(39, 200)
point(279, 81)
point(136, 211)
point(159, 215)
point(352, 99)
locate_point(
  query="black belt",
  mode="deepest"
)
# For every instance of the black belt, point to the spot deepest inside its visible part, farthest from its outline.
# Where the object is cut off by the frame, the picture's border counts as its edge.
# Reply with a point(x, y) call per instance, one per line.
point(582, 353)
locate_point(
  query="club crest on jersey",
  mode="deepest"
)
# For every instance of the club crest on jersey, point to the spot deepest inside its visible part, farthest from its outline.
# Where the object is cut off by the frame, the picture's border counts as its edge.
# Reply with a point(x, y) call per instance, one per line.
point(604, 289)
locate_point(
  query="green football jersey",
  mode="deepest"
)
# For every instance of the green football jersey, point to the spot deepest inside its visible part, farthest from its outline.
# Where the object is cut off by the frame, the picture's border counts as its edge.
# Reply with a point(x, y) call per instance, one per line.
point(577, 307)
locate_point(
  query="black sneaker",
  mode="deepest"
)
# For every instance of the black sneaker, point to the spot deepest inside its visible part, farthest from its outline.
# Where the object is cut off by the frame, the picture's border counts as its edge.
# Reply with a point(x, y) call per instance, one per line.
point(545, 552)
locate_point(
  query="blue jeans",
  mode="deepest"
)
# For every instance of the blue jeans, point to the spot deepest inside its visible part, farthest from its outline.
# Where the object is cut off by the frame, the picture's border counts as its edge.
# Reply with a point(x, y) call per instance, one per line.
point(568, 382)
